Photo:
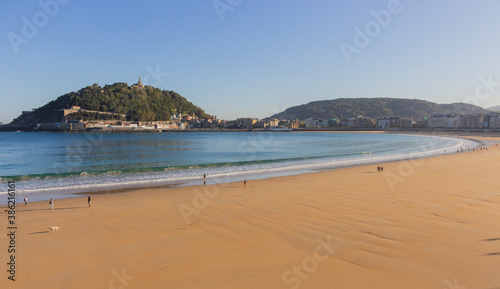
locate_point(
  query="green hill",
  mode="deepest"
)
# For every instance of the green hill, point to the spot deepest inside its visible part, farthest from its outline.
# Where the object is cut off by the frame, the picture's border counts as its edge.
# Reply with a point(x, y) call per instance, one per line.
point(374, 107)
point(137, 103)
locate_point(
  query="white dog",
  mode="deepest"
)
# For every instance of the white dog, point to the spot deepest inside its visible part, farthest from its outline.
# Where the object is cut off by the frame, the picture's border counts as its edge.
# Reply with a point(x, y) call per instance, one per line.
point(55, 228)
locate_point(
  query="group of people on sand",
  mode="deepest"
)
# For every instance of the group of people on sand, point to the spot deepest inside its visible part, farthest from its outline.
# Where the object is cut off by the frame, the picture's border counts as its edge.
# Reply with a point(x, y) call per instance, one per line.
point(380, 169)
point(473, 149)
point(51, 202)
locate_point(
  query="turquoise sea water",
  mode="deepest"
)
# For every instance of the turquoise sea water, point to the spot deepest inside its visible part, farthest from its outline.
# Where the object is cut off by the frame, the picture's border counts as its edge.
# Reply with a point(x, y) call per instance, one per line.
point(64, 163)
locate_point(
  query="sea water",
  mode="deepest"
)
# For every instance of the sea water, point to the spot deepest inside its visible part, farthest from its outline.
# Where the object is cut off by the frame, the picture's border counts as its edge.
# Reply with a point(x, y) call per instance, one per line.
point(62, 164)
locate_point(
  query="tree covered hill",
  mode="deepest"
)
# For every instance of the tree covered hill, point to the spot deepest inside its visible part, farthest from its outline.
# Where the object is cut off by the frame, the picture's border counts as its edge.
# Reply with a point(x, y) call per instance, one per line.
point(375, 107)
point(145, 103)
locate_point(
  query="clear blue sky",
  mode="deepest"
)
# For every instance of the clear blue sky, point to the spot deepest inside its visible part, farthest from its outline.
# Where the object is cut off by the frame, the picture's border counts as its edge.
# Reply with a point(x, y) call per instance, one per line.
point(260, 58)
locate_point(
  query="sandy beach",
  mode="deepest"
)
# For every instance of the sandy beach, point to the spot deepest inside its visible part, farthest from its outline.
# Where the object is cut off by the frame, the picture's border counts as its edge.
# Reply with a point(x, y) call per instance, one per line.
point(428, 223)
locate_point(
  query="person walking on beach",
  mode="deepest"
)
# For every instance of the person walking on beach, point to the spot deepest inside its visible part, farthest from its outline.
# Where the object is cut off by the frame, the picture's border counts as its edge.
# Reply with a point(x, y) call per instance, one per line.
point(51, 202)
point(245, 183)
point(382, 169)
point(89, 200)
point(25, 200)
point(204, 176)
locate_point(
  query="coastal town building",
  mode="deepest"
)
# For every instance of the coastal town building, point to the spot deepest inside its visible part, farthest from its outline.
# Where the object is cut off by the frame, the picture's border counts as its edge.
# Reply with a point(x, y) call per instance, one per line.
point(472, 121)
point(388, 122)
point(491, 121)
point(449, 121)
point(60, 126)
point(406, 122)
point(332, 122)
point(274, 122)
point(296, 123)
point(349, 122)
point(246, 122)
point(365, 122)
point(73, 109)
point(175, 116)
point(466, 121)
point(186, 117)
point(358, 122)
point(311, 122)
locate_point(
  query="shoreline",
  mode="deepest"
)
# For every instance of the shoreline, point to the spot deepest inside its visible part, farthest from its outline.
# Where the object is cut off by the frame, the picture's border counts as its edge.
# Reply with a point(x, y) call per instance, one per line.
point(482, 141)
point(255, 174)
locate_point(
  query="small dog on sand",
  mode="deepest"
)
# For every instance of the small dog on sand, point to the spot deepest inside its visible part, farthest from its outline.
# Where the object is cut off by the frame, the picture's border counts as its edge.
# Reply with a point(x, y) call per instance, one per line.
point(55, 228)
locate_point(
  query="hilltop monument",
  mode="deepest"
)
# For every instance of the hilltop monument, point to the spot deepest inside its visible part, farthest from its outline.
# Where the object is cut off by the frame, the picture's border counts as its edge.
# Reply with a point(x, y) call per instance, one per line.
point(138, 84)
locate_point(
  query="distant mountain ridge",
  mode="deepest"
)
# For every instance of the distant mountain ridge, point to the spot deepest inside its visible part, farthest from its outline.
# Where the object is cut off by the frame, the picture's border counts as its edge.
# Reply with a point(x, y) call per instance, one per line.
point(494, 108)
point(374, 108)
point(117, 101)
